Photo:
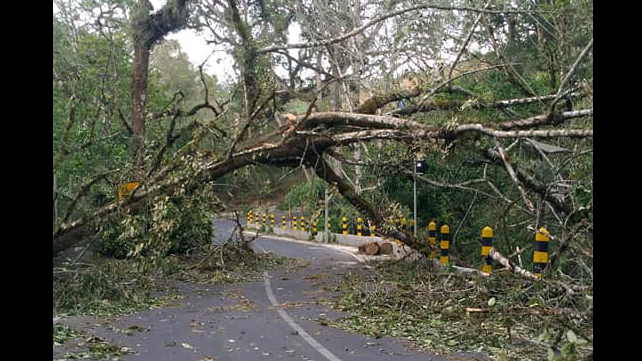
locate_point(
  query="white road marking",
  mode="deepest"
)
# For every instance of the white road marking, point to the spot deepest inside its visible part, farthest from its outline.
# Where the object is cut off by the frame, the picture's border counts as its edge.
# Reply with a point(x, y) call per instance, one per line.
point(284, 315)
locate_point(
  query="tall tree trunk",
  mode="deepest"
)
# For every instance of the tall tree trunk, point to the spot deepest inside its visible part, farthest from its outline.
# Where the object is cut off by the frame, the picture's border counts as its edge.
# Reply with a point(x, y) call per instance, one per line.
point(147, 30)
point(139, 95)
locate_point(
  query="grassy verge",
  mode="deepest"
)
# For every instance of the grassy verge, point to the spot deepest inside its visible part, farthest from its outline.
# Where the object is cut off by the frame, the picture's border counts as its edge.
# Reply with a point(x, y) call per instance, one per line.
point(444, 312)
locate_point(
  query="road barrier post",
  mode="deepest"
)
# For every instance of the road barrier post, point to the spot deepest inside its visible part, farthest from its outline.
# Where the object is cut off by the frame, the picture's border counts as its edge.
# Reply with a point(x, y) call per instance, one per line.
point(372, 229)
point(283, 221)
point(264, 216)
point(272, 220)
point(249, 218)
point(302, 223)
point(487, 244)
point(432, 237)
point(344, 225)
point(359, 220)
point(256, 220)
point(540, 255)
point(294, 223)
point(314, 227)
point(404, 224)
point(329, 224)
point(444, 244)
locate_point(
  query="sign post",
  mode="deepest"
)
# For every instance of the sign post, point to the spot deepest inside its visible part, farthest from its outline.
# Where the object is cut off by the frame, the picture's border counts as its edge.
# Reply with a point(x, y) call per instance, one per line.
point(420, 168)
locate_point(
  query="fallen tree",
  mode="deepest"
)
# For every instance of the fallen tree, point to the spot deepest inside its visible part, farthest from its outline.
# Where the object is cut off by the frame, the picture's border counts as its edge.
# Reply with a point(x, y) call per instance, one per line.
point(304, 144)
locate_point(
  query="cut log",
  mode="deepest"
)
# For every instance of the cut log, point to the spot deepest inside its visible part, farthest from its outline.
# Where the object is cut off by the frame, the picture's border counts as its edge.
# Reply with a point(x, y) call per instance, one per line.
point(385, 248)
point(371, 248)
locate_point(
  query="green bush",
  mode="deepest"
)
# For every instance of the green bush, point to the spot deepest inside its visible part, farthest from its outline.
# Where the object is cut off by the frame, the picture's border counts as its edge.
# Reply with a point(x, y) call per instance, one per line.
point(111, 243)
point(165, 227)
point(194, 229)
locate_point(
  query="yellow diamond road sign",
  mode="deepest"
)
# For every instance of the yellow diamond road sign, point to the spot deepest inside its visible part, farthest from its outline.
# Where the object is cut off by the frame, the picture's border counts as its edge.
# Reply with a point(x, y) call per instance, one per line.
point(126, 189)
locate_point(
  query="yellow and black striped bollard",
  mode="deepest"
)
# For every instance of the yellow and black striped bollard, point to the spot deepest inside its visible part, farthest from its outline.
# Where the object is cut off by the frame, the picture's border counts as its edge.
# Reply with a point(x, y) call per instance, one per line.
point(540, 256)
point(283, 221)
point(444, 244)
point(294, 223)
point(256, 220)
point(249, 218)
point(272, 220)
point(344, 225)
point(359, 220)
point(264, 216)
point(404, 224)
point(432, 239)
point(487, 244)
point(314, 227)
point(372, 229)
point(303, 223)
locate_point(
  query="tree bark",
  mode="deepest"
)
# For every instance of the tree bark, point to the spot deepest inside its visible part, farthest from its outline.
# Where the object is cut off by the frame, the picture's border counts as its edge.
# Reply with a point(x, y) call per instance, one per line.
point(139, 94)
point(147, 30)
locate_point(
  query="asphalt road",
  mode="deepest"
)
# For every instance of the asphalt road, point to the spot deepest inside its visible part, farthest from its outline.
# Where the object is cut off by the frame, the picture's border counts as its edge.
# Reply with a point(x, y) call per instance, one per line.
point(281, 317)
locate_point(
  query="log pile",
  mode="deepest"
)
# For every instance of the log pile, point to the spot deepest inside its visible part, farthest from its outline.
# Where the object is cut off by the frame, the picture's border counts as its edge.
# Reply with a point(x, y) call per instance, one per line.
point(375, 248)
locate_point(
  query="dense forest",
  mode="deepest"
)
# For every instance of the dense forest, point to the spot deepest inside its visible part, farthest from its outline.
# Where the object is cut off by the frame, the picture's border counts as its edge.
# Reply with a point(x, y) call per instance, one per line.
point(495, 96)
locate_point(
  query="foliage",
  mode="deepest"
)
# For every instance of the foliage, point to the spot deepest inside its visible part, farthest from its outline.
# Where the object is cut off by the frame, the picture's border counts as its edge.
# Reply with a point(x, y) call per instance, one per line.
point(164, 229)
point(109, 287)
point(96, 347)
point(447, 312)
point(116, 287)
point(62, 333)
point(232, 262)
point(304, 195)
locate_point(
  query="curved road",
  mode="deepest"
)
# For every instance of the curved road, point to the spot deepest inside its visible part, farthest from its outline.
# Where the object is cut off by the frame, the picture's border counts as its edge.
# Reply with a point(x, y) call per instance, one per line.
point(282, 317)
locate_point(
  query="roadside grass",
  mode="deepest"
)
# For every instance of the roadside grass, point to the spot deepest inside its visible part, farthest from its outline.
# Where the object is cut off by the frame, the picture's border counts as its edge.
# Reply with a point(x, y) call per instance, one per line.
point(502, 316)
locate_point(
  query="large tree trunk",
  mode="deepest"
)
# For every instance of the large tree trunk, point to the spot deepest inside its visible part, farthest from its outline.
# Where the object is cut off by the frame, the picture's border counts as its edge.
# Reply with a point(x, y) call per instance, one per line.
point(147, 30)
point(139, 94)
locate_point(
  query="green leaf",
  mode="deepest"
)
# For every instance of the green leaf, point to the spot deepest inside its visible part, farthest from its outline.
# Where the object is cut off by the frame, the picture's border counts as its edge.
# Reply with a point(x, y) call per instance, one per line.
point(551, 354)
point(570, 335)
point(492, 301)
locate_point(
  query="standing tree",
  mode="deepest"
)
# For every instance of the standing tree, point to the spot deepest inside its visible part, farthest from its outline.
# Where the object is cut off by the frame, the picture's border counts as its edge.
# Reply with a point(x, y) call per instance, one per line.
point(147, 30)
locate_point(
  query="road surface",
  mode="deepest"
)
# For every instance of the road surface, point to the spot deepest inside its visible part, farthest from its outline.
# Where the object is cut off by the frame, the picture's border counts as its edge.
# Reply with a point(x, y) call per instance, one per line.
point(281, 317)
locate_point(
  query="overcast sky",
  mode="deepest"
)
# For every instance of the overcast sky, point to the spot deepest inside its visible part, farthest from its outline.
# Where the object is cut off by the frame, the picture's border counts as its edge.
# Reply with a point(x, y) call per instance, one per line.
point(220, 63)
